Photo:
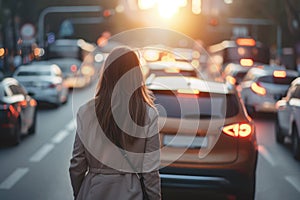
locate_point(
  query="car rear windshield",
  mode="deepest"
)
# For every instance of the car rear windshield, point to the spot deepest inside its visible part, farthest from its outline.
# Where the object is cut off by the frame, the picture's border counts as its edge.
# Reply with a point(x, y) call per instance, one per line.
point(274, 80)
point(201, 106)
point(34, 73)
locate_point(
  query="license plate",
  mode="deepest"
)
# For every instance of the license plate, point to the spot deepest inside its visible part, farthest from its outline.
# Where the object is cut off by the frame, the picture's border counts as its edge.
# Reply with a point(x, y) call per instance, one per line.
point(185, 141)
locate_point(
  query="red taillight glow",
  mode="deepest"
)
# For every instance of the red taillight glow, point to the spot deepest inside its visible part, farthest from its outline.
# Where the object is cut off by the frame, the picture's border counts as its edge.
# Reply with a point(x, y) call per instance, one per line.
point(279, 74)
point(238, 130)
point(231, 80)
point(246, 62)
point(23, 103)
point(246, 42)
point(32, 103)
point(73, 68)
point(255, 87)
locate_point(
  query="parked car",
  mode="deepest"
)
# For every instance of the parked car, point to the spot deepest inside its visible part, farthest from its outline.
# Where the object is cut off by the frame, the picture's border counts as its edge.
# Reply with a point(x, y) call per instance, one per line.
point(208, 141)
point(169, 68)
point(74, 75)
point(288, 118)
point(18, 111)
point(43, 81)
point(263, 86)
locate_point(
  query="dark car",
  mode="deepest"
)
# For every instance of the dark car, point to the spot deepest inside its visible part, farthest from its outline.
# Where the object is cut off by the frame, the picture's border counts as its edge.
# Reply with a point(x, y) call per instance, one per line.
point(208, 141)
point(17, 111)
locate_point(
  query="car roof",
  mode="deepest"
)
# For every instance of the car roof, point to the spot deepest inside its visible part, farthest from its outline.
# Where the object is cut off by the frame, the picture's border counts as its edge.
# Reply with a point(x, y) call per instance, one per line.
point(37, 66)
point(9, 80)
point(161, 65)
point(264, 70)
point(234, 67)
point(189, 83)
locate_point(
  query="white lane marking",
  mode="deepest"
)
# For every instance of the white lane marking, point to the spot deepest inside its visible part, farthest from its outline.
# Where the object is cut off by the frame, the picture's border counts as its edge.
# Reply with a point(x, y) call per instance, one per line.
point(12, 179)
point(71, 125)
point(266, 155)
point(294, 181)
point(41, 153)
point(60, 136)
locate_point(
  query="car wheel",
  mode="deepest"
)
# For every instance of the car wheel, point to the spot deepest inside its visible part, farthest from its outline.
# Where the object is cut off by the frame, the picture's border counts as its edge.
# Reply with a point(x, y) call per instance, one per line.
point(16, 133)
point(250, 193)
point(278, 133)
point(33, 126)
point(296, 143)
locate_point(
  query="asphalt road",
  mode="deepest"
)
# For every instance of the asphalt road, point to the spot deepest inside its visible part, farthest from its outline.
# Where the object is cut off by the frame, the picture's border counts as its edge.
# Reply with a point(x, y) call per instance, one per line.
point(37, 169)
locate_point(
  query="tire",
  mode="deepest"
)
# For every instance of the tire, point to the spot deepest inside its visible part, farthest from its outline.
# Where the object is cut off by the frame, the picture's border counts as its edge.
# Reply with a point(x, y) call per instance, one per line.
point(250, 193)
point(16, 139)
point(295, 143)
point(32, 128)
point(278, 133)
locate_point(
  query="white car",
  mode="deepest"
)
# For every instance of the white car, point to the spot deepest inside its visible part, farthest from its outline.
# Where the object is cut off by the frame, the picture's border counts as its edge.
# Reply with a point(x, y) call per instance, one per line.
point(263, 86)
point(288, 118)
point(43, 81)
point(73, 73)
point(234, 73)
point(170, 68)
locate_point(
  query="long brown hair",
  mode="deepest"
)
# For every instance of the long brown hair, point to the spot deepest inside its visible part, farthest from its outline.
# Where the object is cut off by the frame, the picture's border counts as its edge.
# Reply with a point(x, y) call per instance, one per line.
point(120, 61)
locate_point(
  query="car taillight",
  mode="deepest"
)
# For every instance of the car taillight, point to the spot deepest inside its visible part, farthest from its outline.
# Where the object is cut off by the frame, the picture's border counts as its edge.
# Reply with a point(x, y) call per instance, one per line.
point(73, 68)
point(238, 129)
point(172, 70)
point(10, 110)
point(246, 62)
point(279, 74)
point(258, 89)
point(231, 80)
point(32, 103)
point(52, 85)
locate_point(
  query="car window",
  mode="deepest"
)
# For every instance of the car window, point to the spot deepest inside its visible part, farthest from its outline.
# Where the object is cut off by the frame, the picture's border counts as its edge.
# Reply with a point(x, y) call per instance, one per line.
point(34, 73)
point(16, 90)
point(274, 80)
point(207, 105)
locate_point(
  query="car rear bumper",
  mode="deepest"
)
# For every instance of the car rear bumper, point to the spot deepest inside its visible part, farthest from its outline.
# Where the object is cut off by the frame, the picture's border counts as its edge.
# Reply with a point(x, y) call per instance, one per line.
point(224, 181)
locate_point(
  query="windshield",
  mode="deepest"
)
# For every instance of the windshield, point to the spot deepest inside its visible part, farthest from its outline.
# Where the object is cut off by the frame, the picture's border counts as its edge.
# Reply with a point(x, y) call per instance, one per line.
point(208, 105)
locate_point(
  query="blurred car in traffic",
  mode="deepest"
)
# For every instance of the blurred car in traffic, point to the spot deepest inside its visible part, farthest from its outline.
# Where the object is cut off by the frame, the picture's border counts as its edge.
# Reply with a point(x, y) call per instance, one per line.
point(208, 141)
point(169, 68)
point(288, 118)
point(264, 85)
point(18, 111)
point(43, 81)
point(234, 73)
point(75, 75)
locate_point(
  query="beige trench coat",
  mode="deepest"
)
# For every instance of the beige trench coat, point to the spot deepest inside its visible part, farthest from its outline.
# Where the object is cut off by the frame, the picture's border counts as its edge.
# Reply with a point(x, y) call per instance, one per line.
point(94, 177)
